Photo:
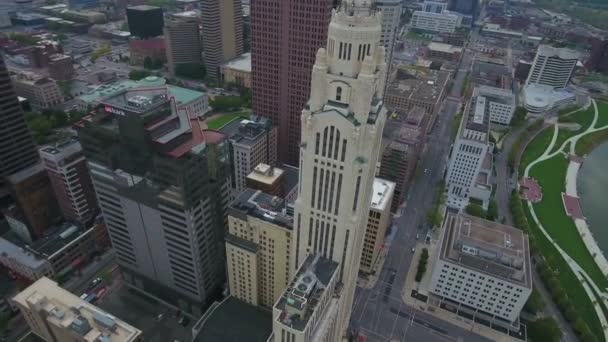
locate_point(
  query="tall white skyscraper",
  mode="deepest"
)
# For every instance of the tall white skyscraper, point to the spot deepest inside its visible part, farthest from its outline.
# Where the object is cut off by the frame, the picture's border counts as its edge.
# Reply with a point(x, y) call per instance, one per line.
point(391, 15)
point(342, 126)
point(552, 66)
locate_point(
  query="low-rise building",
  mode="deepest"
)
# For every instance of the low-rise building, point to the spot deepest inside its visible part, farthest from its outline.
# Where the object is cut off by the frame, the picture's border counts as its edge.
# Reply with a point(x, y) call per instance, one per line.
point(238, 71)
point(55, 314)
point(444, 52)
point(80, 47)
point(258, 247)
point(142, 49)
point(196, 103)
point(42, 92)
point(378, 221)
point(435, 22)
point(65, 249)
point(483, 267)
point(61, 67)
point(414, 88)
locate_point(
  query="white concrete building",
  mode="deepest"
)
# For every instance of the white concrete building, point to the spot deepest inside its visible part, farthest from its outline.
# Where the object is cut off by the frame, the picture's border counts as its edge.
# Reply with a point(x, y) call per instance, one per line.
point(55, 314)
point(391, 15)
point(469, 152)
point(500, 102)
point(342, 127)
point(552, 66)
point(483, 267)
point(548, 78)
point(435, 22)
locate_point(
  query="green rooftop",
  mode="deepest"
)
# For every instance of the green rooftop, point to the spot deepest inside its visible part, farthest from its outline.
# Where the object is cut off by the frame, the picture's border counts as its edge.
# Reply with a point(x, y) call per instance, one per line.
point(182, 95)
point(252, 323)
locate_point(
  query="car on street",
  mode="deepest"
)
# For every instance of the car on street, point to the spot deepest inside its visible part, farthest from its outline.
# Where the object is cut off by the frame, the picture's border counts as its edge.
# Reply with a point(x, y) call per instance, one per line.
point(184, 321)
point(413, 249)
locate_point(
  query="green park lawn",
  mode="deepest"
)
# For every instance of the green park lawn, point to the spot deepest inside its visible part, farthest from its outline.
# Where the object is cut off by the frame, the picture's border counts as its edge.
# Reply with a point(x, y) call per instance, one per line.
point(551, 175)
point(224, 119)
point(583, 118)
point(535, 148)
point(568, 280)
point(602, 118)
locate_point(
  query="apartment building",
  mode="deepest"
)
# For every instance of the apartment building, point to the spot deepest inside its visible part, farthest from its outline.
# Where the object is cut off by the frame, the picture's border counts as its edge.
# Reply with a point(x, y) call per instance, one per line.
point(483, 267)
point(61, 67)
point(258, 247)
point(252, 142)
point(501, 103)
point(43, 93)
point(67, 169)
point(435, 6)
point(183, 40)
point(56, 315)
point(470, 149)
point(162, 185)
point(378, 221)
point(435, 22)
point(443, 52)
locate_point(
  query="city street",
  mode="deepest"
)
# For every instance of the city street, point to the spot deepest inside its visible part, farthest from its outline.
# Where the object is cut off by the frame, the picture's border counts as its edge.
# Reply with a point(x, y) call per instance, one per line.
point(379, 313)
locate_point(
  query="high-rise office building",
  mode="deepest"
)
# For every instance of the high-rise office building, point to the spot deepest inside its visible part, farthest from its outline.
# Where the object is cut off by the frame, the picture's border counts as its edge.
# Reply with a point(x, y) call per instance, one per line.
point(285, 35)
point(222, 24)
point(162, 185)
point(342, 127)
point(17, 150)
point(598, 60)
point(182, 40)
point(67, 169)
point(552, 66)
point(434, 6)
point(54, 314)
point(145, 21)
point(471, 149)
point(391, 16)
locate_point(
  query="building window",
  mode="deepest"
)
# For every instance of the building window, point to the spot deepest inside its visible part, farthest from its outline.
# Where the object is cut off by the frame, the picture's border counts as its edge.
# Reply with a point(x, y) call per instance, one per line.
point(339, 94)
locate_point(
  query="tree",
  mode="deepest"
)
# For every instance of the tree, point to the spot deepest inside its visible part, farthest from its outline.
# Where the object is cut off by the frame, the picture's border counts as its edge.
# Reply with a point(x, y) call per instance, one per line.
point(544, 330)
point(226, 103)
point(66, 88)
point(519, 117)
point(137, 75)
point(61, 37)
point(492, 213)
point(194, 71)
point(424, 257)
point(475, 210)
point(535, 303)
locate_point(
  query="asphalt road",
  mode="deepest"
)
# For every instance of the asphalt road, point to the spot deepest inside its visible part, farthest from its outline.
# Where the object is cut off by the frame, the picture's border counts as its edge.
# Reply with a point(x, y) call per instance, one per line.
point(379, 313)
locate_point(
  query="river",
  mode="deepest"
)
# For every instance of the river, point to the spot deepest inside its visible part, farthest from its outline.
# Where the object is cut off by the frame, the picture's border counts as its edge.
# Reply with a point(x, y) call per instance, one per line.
point(592, 186)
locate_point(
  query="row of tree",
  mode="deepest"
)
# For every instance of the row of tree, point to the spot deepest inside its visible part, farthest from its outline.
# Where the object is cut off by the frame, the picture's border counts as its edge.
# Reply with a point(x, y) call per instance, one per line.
point(424, 258)
point(44, 124)
point(550, 280)
point(477, 210)
point(515, 152)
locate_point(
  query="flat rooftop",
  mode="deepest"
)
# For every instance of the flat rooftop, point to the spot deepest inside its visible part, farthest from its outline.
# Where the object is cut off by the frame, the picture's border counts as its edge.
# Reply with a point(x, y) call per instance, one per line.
point(265, 174)
point(240, 63)
point(425, 85)
point(445, 48)
point(494, 94)
point(234, 321)
point(246, 131)
point(58, 238)
point(488, 247)
point(476, 120)
point(382, 194)
point(263, 206)
point(66, 147)
point(305, 291)
point(63, 309)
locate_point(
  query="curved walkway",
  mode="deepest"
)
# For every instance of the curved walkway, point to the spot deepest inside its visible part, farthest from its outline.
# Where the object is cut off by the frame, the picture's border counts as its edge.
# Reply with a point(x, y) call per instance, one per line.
point(579, 272)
